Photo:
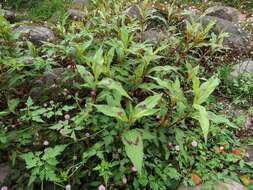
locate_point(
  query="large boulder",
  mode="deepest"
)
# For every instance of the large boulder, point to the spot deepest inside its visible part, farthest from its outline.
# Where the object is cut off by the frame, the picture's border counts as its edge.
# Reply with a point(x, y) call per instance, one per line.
point(12, 16)
point(135, 11)
point(154, 36)
point(79, 4)
point(76, 14)
point(36, 34)
point(238, 39)
point(52, 83)
point(9, 15)
point(226, 13)
point(232, 185)
point(240, 69)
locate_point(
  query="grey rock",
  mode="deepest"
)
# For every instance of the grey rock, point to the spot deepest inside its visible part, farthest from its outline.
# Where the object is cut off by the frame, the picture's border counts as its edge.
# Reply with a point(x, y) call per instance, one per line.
point(237, 39)
point(12, 16)
point(225, 12)
point(9, 15)
point(79, 4)
point(36, 34)
point(154, 36)
point(249, 151)
point(232, 185)
point(4, 171)
point(135, 11)
point(189, 188)
point(53, 82)
point(242, 68)
point(76, 14)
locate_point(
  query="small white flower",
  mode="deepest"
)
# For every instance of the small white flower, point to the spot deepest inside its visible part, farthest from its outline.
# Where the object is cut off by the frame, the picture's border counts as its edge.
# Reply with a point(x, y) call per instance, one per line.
point(67, 116)
point(134, 169)
point(51, 102)
point(177, 148)
point(45, 104)
point(194, 143)
point(69, 97)
point(68, 187)
point(45, 115)
point(124, 180)
point(119, 150)
point(87, 134)
point(46, 143)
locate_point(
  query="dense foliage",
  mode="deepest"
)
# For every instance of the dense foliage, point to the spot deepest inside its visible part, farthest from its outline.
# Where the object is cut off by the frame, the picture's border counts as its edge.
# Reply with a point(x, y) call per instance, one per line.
point(128, 113)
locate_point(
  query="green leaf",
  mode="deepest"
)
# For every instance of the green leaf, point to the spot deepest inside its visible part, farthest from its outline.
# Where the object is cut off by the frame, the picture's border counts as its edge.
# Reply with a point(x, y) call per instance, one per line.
point(38, 112)
point(203, 120)
point(111, 111)
point(220, 119)
point(124, 35)
point(176, 92)
point(3, 113)
point(145, 108)
point(37, 119)
point(203, 92)
point(13, 104)
point(97, 63)
point(114, 85)
point(134, 148)
point(86, 75)
point(166, 69)
point(29, 102)
point(53, 152)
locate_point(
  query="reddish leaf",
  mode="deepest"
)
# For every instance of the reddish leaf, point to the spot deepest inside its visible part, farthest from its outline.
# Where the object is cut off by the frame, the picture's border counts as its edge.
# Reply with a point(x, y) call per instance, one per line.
point(196, 179)
point(236, 152)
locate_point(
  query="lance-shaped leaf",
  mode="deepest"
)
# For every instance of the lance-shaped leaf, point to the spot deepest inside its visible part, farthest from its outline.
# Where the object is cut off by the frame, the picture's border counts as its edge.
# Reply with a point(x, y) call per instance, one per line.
point(220, 119)
point(86, 75)
point(203, 120)
point(13, 104)
point(134, 148)
point(205, 90)
point(146, 107)
point(111, 111)
point(114, 85)
point(176, 92)
point(165, 69)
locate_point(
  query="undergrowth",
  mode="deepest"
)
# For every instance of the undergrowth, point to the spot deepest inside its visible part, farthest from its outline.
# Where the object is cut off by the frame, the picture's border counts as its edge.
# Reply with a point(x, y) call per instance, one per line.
point(127, 113)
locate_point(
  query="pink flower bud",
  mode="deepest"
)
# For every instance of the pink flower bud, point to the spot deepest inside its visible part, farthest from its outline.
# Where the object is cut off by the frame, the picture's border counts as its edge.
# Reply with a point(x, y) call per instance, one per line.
point(62, 132)
point(46, 143)
point(101, 187)
point(4, 188)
